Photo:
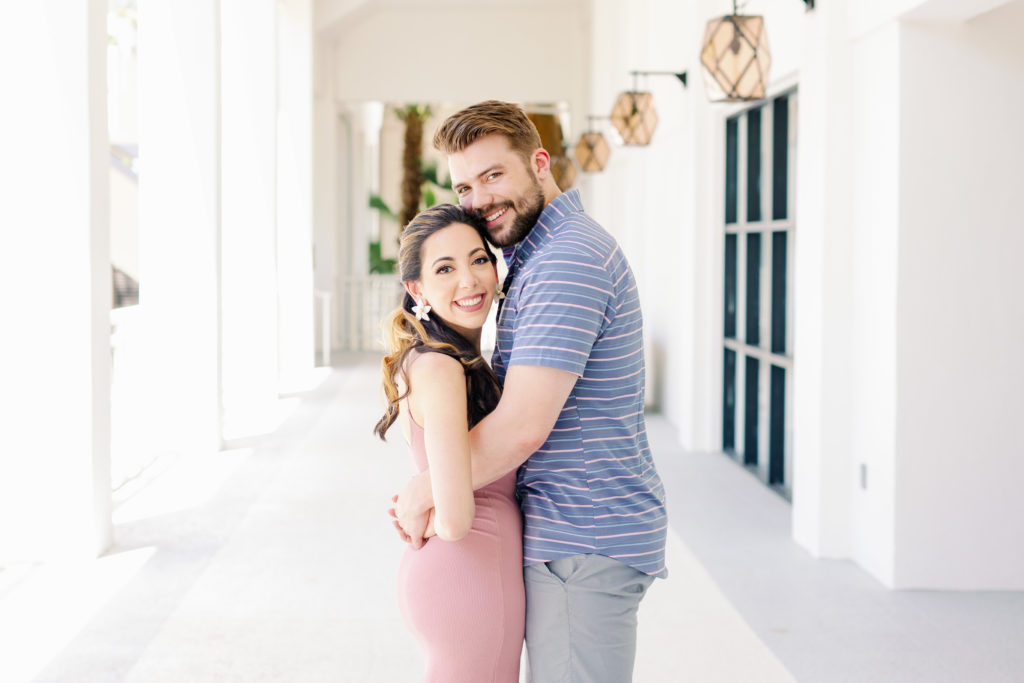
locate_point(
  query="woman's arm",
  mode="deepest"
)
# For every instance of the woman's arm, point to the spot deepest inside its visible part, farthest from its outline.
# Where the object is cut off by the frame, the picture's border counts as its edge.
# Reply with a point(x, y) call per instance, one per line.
point(438, 403)
point(530, 404)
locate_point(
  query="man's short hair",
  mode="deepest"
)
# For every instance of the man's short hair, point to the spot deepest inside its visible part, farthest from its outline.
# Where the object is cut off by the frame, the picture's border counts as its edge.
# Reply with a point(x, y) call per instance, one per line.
point(462, 129)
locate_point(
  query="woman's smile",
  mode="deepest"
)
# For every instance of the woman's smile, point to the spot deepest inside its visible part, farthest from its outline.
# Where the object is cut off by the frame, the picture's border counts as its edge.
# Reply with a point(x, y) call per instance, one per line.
point(471, 304)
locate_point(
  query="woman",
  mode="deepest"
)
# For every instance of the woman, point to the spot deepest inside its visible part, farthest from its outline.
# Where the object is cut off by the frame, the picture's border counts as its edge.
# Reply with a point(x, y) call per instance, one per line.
point(461, 594)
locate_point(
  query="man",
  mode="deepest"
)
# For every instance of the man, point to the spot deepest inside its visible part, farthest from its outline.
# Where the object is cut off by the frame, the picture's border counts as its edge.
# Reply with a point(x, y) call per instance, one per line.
point(570, 355)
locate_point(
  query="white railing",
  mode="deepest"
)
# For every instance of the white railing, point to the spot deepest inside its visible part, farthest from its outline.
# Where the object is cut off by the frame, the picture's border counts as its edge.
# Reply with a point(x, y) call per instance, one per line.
point(363, 301)
point(323, 315)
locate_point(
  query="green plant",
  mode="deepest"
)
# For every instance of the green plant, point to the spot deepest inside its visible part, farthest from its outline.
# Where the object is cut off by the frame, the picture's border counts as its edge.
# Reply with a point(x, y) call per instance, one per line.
point(383, 266)
point(420, 183)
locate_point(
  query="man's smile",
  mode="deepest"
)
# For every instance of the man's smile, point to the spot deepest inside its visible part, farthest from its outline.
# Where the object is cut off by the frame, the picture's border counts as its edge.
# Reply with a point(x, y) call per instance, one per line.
point(495, 216)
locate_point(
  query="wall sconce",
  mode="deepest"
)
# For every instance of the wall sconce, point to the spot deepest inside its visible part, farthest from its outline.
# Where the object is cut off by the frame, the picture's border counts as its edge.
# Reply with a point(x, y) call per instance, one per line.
point(634, 115)
point(592, 151)
point(563, 170)
point(810, 4)
point(736, 58)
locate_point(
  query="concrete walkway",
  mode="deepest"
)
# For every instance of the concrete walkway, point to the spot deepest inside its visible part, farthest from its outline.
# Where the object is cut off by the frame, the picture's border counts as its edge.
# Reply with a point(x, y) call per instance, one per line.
point(274, 561)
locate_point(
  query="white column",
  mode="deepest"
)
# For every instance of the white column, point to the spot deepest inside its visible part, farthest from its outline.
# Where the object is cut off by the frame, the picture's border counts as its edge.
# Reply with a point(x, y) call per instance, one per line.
point(248, 246)
point(55, 290)
point(823, 475)
point(179, 216)
point(365, 169)
point(875, 218)
point(328, 200)
point(295, 190)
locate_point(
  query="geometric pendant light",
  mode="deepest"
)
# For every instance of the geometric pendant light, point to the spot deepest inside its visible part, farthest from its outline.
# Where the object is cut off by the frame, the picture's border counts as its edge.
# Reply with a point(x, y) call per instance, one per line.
point(634, 117)
point(563, 170)
point(592, 151)
point(736, 58)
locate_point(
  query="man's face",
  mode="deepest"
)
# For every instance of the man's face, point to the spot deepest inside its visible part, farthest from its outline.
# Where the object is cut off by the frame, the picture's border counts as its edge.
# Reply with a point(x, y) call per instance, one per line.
point(495, 182)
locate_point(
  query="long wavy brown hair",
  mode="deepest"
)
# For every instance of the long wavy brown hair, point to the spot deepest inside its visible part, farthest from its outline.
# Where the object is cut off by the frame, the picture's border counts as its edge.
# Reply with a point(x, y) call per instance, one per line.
point(404, 334)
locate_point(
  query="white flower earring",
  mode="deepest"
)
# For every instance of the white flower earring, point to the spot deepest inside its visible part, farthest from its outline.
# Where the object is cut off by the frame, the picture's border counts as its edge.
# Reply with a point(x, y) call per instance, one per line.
point(498, 293)
point(421, 310)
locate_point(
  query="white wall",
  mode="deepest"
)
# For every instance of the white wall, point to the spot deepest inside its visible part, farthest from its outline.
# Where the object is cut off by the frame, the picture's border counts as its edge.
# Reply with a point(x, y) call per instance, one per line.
point(904, 347)
point(867, 15)
point(535, 53)
point(959, 511)
point(663, 202)
point(853, 380)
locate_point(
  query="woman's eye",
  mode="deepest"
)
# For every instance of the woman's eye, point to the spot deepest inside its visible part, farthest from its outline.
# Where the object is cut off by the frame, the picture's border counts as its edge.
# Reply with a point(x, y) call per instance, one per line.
point(443, 269)
point(481, 259)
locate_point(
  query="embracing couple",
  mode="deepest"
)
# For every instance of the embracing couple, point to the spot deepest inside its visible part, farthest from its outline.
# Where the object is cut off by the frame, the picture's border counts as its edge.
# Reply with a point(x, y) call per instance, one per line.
point(537, 508)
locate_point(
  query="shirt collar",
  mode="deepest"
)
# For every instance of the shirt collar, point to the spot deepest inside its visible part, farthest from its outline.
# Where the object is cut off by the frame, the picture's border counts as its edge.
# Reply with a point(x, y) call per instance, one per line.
point(554, 213)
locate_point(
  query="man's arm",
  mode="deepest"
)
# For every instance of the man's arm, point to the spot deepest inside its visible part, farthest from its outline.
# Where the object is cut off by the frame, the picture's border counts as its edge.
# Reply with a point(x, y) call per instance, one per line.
point(531, 401)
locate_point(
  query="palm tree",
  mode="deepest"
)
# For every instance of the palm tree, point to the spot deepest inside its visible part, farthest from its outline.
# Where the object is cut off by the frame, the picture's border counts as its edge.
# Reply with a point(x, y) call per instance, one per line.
point(414, 116)
point(420, 182)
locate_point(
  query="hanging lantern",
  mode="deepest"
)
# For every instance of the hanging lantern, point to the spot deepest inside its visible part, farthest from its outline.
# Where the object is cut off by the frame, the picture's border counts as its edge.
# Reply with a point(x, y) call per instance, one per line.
point(634, 117)
point(592, 152)
point(563, 170)
point(736, 58)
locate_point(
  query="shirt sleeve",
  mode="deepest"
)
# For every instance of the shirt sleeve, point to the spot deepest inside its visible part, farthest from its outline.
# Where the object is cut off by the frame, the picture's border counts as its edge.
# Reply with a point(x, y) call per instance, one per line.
point(562, 309)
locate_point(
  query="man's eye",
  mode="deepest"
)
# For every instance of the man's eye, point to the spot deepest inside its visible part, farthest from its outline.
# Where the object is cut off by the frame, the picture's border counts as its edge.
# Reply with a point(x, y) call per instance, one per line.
point(461, 190)
point(495, 175)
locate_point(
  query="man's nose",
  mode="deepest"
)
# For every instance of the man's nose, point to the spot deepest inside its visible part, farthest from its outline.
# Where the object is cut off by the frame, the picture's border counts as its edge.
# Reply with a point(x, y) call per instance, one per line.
point(479, 200)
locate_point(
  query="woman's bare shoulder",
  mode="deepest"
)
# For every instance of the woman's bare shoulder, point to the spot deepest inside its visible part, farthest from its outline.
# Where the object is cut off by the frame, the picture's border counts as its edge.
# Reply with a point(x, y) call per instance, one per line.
point(431, 365)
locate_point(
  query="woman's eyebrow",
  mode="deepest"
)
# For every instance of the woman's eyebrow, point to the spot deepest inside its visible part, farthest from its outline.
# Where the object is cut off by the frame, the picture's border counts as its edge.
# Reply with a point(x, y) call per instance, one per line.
point(449, 258)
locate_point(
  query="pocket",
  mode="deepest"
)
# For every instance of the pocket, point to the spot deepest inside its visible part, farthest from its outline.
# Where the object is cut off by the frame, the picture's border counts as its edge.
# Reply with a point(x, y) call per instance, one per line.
point(640, 586)
point(564, 567)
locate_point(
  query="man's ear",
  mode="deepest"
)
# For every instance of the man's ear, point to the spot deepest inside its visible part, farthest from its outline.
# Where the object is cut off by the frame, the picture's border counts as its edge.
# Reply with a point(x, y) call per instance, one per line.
point(541, 163)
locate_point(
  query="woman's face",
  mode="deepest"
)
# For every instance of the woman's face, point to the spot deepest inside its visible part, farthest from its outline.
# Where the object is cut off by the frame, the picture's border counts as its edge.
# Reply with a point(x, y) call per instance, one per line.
point(457, 279)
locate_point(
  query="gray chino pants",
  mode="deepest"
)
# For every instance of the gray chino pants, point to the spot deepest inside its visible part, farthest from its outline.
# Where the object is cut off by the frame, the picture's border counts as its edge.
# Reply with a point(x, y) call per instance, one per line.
point(581, 616)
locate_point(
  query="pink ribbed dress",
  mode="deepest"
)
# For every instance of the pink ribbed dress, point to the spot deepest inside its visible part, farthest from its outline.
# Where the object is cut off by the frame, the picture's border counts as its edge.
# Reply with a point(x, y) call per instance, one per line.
point(464, 600)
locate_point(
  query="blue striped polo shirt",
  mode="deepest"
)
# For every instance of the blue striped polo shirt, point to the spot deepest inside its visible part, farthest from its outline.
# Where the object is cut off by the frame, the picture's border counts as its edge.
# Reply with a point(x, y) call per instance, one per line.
point(573, 305)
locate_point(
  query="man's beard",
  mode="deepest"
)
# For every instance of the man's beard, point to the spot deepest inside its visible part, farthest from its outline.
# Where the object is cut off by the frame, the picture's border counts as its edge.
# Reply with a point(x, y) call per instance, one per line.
point(527, 213)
